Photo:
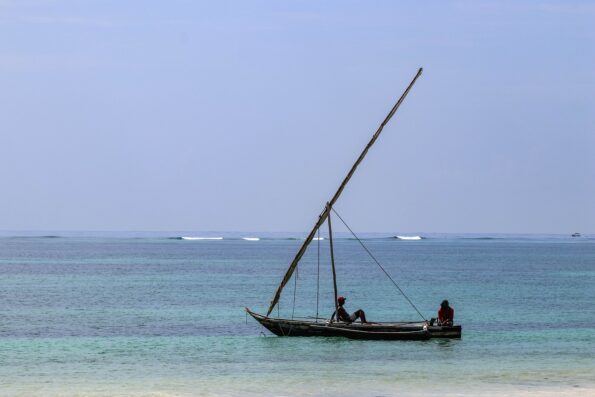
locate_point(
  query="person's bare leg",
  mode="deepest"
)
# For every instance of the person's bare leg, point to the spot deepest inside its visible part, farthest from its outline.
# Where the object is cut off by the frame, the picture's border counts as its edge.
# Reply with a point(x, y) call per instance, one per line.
point(361, 315)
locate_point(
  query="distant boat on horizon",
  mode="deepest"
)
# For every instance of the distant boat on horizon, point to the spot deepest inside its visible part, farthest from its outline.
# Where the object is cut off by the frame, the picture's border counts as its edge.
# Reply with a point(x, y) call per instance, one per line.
point(577, 234)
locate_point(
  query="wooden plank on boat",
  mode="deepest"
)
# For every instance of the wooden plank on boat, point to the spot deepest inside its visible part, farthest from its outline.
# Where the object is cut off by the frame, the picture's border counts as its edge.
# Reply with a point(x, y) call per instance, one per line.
point(373, 335)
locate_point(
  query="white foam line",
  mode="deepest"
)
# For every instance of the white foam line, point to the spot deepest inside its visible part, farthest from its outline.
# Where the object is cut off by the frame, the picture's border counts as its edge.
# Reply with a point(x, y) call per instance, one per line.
point(409, 237)
point(202, 238)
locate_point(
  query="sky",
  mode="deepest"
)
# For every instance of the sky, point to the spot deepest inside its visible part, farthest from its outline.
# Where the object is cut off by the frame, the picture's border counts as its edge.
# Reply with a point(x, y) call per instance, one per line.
point(246, 115)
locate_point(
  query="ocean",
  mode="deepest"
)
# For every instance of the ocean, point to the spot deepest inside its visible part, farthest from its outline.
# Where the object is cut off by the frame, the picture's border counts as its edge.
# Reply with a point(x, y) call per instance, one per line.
point(151, 314)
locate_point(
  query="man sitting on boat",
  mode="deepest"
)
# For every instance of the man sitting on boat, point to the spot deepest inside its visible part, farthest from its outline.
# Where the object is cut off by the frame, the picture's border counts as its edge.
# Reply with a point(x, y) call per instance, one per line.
point(342, 314)
point(446, 314)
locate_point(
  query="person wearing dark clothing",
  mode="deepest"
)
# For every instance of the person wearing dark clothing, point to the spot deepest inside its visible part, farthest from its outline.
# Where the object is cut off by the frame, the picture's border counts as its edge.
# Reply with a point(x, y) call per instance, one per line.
point(342, 314)
point(446, 314)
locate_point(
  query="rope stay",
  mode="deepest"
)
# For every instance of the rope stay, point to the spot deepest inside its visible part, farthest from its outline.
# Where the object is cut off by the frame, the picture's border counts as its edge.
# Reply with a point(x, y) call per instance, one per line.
point(379, 265)
point(295, 278)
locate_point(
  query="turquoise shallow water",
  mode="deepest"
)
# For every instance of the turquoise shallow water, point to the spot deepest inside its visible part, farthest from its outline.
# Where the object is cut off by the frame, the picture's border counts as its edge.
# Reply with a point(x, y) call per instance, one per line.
point(143, 314)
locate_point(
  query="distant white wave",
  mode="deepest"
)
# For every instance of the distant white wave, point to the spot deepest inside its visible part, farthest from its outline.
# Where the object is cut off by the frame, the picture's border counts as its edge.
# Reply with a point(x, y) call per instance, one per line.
point(317, 238)
point(409, 237)
point(202, 238)
point(251, 238)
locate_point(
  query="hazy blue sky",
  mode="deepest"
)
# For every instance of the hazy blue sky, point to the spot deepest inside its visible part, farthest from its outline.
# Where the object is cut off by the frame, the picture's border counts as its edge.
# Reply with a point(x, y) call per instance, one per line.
point(245, 115)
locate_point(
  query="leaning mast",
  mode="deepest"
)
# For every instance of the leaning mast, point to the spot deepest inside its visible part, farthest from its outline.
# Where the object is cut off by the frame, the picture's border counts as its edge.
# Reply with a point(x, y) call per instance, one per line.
point(326, 211)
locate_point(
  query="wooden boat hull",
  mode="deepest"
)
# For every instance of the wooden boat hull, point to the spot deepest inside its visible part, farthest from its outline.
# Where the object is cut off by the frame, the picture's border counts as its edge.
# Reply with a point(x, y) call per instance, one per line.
point(384, 331)
point(451, 332)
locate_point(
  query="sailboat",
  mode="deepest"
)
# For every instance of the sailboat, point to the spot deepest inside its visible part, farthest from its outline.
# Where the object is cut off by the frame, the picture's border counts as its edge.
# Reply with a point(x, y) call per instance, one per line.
point(399, 330)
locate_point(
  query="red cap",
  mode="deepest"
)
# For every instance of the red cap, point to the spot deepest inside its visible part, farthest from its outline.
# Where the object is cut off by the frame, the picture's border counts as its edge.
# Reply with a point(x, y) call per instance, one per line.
point(341, 299)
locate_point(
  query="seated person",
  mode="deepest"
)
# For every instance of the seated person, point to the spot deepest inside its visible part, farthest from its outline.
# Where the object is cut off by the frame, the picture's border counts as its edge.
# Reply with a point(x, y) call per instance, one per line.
point(342, 314)
point(446, 314)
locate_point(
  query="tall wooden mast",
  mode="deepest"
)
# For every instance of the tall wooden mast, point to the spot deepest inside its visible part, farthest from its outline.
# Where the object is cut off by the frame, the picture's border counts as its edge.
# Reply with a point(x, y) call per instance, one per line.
point(330, 236)
point(325, 213)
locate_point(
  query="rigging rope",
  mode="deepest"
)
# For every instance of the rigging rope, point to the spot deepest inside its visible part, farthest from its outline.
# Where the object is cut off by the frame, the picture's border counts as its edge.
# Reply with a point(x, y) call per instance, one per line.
point(379, 265)
point(297, 273)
